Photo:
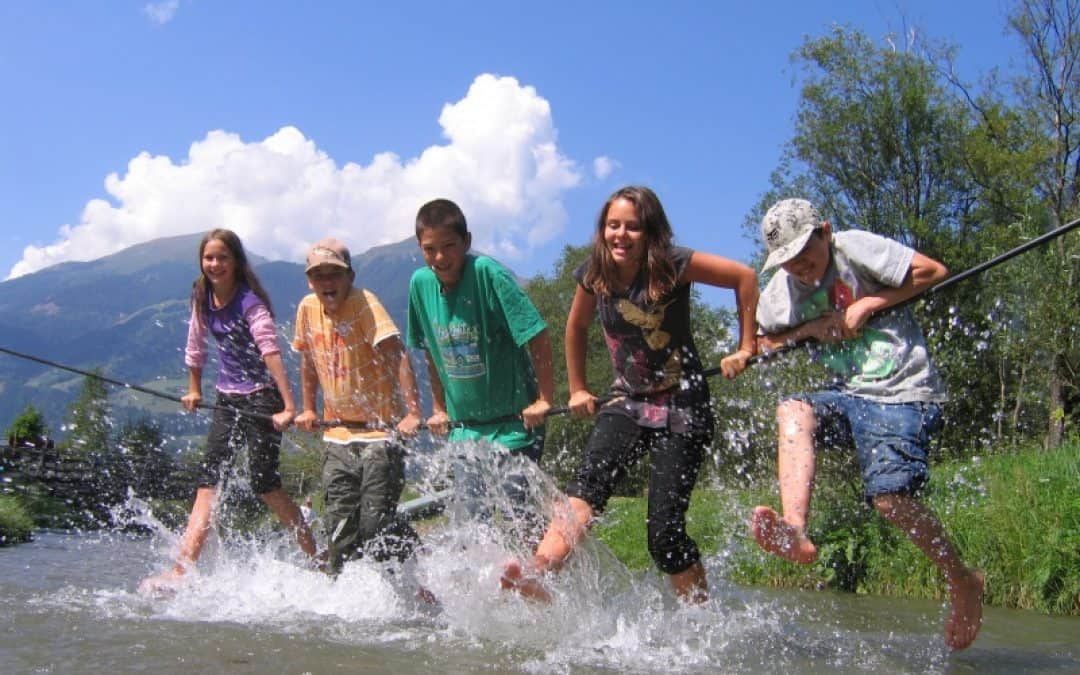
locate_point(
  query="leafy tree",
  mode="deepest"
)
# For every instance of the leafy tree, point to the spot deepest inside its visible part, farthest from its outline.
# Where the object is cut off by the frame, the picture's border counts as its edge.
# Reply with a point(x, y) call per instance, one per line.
point(29, 425)
point(140, 447)
point(89, 425)
point(1050, 33)
point(880, 138)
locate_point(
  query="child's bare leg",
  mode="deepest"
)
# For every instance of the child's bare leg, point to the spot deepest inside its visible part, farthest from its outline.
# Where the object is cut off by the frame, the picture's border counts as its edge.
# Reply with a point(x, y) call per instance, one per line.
point(191, 543)
point(690, 585)
point(786, 536)
point(289, 514)
point(563, 534)
point(965, 584)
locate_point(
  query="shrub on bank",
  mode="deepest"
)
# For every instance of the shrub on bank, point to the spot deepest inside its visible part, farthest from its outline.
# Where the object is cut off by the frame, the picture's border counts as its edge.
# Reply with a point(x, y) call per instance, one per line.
point(1015, 516)
point(16, 525)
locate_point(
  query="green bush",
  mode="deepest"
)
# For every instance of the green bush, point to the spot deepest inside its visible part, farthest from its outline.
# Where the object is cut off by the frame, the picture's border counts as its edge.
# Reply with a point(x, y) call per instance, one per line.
point(16, 525)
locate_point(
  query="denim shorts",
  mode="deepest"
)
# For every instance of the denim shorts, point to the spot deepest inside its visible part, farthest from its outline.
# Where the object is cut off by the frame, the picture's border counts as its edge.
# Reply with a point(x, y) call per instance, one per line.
point(890, 439)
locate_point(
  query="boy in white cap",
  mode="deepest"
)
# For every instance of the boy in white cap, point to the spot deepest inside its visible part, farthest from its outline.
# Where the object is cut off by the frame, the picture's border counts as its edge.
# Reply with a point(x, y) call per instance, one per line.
point(351, 349)
point(835, 289)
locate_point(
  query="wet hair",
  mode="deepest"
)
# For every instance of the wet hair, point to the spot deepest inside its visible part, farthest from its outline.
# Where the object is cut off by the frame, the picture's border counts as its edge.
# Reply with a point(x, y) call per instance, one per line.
point(441, 213)
point(244, 273)
point(659, 269)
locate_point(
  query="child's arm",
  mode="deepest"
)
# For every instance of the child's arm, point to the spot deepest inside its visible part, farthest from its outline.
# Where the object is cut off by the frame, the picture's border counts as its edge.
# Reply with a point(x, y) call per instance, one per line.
point(194, 359)
point(439, 422)
point(392, 353)
point(276, 367)
point(582, 309)
point(309, 387)
point(263, 332)
point(193, 398)
point(827, 328)
point(540, 353)
point(725, 273)
point(924, 273)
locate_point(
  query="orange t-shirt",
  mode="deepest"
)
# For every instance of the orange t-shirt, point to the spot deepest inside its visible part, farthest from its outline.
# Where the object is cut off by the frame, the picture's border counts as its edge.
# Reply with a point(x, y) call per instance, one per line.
point(356, 386)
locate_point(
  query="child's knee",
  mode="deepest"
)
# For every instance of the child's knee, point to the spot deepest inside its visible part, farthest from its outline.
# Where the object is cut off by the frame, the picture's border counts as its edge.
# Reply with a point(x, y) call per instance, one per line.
point(887, 504)
point(794, 418)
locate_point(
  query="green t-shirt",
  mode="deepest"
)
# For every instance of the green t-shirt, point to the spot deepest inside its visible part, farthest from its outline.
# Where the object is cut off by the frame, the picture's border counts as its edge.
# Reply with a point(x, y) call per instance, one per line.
point(476, 335)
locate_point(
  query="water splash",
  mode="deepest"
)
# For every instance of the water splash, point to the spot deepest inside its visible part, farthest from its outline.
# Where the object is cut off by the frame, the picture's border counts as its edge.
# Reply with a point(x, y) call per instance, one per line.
point(257, 588)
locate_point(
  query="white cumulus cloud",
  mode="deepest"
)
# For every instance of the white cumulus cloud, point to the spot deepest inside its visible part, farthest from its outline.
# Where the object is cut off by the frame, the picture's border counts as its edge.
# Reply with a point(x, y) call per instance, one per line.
point(500, 163)
point(604, 166)
point(162, 12)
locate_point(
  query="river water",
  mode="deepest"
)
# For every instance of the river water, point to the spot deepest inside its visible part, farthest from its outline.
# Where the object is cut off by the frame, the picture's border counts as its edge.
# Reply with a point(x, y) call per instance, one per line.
point(70, 606)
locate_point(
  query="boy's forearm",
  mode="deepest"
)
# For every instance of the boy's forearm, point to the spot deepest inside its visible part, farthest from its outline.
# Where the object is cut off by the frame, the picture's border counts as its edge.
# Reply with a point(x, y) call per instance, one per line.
point(438, 396)
point(773, 341)
point(407, 382)
point(309, 383)
point(542, 361)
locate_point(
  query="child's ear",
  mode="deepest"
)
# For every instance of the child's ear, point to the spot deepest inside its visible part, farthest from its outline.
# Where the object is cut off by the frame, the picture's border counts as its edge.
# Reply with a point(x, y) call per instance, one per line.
point(468, 241)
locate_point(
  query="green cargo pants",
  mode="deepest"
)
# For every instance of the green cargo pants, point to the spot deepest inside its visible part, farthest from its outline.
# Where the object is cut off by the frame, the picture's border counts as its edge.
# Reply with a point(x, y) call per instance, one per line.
point(363, 482)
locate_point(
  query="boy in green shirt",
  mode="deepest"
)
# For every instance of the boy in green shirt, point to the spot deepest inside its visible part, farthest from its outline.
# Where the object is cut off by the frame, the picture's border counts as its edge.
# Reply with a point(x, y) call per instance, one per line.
point(488, 350)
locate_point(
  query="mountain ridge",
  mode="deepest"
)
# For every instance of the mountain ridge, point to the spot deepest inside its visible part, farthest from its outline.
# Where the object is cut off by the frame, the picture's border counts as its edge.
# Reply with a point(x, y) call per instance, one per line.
point(127, 314)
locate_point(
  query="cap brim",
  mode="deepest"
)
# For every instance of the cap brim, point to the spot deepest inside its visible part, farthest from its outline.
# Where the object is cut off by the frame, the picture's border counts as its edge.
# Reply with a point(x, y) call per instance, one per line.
point(326, 263)
point(786, 253)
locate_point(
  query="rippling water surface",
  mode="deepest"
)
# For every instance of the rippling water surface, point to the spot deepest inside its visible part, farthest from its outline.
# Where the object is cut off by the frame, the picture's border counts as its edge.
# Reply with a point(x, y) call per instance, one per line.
point(70, 605)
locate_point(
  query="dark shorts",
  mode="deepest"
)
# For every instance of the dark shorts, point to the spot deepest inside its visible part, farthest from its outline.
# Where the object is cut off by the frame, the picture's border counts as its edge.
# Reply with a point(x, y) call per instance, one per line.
point(230, 430)
point(617, 443)
point(890, 439)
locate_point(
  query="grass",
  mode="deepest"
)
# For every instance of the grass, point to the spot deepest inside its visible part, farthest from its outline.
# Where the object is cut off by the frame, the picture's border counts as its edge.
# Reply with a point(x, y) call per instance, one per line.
point(1015, 516)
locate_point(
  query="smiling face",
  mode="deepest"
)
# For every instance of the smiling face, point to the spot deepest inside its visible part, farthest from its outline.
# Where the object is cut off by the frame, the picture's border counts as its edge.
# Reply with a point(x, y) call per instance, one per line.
point(810, 264)
point(444, 252)
point(624, 235)
point(219, 265)
point(331, 284)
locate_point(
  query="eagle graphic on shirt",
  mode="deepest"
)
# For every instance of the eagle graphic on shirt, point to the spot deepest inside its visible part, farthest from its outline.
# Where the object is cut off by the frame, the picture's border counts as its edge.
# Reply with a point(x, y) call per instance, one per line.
point(648, 320)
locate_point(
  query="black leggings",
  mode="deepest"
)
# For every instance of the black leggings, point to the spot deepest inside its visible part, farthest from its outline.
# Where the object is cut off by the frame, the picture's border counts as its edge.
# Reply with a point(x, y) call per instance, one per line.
point(615, 444)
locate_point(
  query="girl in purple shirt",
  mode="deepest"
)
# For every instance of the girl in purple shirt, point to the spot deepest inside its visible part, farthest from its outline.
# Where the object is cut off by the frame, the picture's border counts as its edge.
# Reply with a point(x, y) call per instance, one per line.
point(254, 402)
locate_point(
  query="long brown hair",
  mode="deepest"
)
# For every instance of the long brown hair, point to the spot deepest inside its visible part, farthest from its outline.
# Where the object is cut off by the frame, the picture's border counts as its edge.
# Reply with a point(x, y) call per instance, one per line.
point(201, 288)
point(659, 270)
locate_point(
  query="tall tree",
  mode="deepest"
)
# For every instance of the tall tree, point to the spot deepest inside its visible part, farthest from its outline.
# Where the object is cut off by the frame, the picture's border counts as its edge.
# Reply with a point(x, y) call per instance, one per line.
point(1050, 33)
point(880, 139)
point(140, 459)
point(89, 423)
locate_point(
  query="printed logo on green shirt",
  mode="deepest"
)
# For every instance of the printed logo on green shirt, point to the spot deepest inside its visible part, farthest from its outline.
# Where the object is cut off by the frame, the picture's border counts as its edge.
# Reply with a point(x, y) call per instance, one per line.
point(459, 344)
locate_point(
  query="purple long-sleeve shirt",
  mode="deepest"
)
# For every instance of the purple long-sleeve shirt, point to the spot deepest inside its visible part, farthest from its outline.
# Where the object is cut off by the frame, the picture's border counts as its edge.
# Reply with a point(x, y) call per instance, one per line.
point(245, 334)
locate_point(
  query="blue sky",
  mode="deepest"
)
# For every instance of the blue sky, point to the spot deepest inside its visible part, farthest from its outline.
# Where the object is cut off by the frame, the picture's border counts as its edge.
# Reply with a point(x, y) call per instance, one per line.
point(127, 121)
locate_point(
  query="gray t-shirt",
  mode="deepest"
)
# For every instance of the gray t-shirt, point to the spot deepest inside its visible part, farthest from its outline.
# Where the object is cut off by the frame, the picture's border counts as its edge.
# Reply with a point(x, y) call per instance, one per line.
point(889, 361)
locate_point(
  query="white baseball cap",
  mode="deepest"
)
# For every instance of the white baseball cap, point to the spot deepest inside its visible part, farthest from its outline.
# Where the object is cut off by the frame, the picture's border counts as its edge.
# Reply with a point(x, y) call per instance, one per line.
point(786, 228)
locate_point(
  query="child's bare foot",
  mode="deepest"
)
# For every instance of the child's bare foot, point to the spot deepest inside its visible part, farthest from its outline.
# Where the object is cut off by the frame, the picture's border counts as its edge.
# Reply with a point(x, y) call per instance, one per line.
point(161, 585)
point(965, 612)
point(780, 538)
point(514, 578)
point(426, 596)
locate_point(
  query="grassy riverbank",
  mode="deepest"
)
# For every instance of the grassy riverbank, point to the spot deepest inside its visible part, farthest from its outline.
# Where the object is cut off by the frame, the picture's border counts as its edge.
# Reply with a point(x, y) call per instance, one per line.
point(1015, 516)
